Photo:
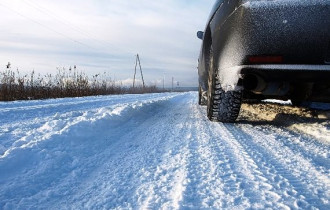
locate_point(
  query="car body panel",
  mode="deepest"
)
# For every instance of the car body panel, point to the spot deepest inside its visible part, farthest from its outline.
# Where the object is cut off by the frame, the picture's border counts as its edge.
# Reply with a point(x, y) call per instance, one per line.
point(296, 31)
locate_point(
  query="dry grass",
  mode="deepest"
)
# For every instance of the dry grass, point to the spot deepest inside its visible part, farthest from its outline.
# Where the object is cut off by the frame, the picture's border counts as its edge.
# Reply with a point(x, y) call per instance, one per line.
point(65, 83)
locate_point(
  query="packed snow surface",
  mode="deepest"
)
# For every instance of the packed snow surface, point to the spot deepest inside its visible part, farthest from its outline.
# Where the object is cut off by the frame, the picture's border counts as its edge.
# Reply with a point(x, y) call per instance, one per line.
point(160, 151)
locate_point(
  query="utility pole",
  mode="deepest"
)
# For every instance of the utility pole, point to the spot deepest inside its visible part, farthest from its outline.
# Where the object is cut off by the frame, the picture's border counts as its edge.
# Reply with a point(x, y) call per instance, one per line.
point(164, 82)
point(136, 62)
point(172, 83)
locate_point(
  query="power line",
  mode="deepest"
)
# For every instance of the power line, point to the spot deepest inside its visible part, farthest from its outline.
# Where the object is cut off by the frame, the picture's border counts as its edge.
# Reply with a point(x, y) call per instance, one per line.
point(47, 27)
point(61, 20)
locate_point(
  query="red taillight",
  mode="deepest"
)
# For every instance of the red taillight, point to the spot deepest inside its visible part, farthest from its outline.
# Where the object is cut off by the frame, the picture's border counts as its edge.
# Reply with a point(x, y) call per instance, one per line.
point(266, 59)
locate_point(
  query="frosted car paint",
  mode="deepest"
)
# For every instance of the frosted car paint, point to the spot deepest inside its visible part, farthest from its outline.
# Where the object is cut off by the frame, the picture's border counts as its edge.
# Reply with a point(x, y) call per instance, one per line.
point(296, 30)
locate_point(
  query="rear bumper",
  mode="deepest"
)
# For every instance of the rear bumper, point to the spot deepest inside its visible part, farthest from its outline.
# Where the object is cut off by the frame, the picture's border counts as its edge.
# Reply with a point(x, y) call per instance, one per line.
point(288, 81)
point(289, 73)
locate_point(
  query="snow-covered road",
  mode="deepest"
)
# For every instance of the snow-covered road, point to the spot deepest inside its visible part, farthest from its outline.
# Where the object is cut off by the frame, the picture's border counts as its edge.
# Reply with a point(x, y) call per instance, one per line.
point(159, 151)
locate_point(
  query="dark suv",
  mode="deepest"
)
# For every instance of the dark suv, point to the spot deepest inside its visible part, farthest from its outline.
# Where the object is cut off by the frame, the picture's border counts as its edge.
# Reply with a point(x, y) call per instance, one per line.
point(261, 49)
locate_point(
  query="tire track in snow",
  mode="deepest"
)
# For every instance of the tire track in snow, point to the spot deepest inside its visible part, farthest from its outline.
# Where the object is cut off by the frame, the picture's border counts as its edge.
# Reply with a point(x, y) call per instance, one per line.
point(248, 177)
point(316, 153)
point(281, 184)
point(222, 175)
point(311, 186)
point(164, 182)
point(270, 177)
point(211, 179)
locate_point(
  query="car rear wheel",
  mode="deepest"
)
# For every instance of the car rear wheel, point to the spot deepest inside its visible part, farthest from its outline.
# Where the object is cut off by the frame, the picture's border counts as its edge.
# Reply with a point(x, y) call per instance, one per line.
point(222, 106)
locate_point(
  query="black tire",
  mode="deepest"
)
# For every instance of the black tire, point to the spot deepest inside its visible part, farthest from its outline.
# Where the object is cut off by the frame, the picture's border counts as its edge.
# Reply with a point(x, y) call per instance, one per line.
point(222, 106)
point(300, 93)
point(296, 102)
point(201, 99)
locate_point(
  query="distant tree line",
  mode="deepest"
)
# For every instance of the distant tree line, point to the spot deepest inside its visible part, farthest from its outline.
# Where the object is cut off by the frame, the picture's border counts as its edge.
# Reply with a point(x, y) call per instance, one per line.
point(65, 83)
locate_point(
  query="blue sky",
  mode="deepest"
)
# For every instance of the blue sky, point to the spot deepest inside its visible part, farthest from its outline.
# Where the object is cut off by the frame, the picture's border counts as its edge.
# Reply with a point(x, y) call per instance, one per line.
point(103, 36)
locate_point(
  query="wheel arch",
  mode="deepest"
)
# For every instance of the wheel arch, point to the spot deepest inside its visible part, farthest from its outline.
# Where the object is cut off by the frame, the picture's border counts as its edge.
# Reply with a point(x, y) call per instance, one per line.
point(207, 43)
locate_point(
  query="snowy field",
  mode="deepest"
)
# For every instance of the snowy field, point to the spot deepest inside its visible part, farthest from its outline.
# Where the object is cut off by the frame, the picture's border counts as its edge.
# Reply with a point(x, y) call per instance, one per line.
point(160, 151)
